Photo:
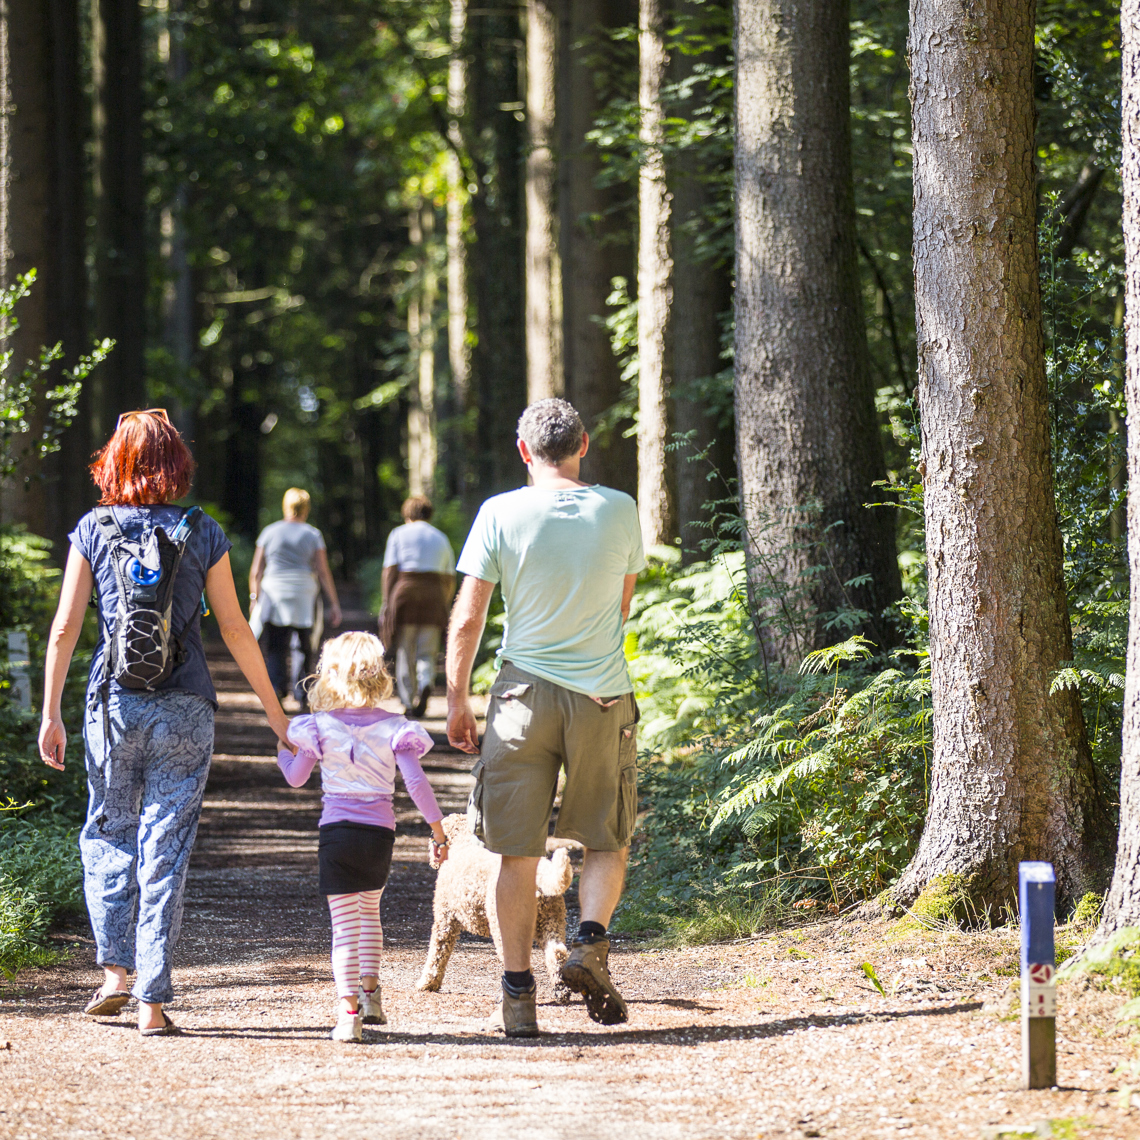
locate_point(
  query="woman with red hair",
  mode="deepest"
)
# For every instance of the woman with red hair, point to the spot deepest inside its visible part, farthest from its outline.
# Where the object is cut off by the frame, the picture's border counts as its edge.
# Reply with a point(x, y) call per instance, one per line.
point(149, 726)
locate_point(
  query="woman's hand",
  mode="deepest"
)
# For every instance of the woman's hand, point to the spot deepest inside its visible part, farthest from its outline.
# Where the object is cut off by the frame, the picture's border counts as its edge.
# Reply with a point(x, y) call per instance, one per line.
point(279, 722)
point(335, 616)
point(53, 741)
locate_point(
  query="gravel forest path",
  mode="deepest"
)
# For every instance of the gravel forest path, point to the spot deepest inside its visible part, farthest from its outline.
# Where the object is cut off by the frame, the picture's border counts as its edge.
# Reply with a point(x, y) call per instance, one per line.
point(776, 1036)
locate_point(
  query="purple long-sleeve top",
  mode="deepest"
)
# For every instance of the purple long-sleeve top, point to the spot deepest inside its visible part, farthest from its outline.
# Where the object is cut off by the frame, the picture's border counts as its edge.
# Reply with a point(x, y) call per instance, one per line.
point(359, 751)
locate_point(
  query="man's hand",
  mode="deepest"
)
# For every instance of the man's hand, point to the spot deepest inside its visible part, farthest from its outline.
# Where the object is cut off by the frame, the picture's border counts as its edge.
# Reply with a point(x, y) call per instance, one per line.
point(462, 729)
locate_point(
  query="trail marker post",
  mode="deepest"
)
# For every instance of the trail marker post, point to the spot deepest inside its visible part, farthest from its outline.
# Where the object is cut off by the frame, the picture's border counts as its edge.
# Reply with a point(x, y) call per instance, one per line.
point(1036, 888)
point(19, 662)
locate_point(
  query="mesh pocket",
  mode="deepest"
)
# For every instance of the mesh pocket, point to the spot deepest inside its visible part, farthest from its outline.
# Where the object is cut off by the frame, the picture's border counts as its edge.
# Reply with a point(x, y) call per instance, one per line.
point(143, 658)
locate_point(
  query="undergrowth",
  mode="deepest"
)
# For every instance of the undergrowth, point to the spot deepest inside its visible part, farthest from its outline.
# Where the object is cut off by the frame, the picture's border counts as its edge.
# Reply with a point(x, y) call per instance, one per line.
point(40, 809)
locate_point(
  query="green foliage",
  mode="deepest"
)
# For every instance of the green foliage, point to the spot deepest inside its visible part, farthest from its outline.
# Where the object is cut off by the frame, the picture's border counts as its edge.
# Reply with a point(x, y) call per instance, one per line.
point(32, 414)
point(40, 808)
point(1117, 958)
point(40, 876)
point(1087, 912)
point(764, 790)
point(944, 902)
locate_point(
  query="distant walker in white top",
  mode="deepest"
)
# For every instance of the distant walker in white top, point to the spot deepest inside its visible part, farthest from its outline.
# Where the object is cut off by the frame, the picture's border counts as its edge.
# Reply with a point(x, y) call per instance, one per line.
point(418, 581)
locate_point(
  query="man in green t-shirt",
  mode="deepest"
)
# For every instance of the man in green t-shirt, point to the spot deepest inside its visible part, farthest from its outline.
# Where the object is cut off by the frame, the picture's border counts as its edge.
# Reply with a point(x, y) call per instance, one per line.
point(567, 555)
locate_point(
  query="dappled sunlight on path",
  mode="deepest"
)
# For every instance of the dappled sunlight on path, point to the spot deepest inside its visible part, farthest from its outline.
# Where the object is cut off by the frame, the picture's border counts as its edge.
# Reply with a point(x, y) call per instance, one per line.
point(772, 1037)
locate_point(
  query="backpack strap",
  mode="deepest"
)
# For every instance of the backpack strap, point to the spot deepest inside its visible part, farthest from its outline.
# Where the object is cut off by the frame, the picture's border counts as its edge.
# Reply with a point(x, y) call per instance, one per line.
point(190, 519)
point(108, 524)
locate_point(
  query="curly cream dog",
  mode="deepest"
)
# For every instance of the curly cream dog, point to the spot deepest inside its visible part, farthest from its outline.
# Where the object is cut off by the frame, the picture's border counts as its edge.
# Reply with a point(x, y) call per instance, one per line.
point(465, 900)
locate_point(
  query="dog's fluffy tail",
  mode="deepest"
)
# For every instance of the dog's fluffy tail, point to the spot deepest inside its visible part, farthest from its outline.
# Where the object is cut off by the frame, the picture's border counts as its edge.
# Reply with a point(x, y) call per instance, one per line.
point(554, 874)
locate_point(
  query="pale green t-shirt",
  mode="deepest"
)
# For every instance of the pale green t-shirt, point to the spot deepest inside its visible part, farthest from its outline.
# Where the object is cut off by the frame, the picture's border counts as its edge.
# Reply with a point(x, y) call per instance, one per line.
point(561, 558)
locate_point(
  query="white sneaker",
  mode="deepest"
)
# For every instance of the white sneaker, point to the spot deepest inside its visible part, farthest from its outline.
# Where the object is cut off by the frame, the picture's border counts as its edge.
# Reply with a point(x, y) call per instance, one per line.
point(347, 1028)
point(371, 1011)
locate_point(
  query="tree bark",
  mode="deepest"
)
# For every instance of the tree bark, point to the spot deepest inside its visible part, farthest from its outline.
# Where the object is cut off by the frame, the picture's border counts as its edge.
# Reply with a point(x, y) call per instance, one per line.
point(29, 219)
point(805, 415)
point(120, 256)
point(499, 359)
point(72, 491)
point(422, 448)
point(543, 284)
point(458, 351)
point(1012, 774)
point(1122, 906)
point(46, 230)
point(706, 288)
point(591, 230)
point(654, 287)
point(178, 292)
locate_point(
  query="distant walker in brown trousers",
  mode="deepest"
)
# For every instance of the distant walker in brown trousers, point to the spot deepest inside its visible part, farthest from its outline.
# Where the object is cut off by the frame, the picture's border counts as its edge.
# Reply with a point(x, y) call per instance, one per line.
point(418, 582)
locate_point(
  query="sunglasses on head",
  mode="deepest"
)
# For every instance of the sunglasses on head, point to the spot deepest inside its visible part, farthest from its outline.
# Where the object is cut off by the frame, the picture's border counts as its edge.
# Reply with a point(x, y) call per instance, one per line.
point(160, 412)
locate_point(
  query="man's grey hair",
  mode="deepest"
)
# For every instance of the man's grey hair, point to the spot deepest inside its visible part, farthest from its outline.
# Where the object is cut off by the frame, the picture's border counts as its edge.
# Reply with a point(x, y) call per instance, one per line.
point(552, 429)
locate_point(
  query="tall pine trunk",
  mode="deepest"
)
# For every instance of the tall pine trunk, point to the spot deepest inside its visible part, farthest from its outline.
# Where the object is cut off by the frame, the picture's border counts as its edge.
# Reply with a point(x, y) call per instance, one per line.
point(497, 260)
point(454, 443)
point(422, 447)
point(1122, 907)
point(806, 427)
point(46, 232)
point(29, 176)
point(654, 287)
point(706, 288)
point(120, 255)
point(592, 236)
point(543, 284)
point(1012, 774)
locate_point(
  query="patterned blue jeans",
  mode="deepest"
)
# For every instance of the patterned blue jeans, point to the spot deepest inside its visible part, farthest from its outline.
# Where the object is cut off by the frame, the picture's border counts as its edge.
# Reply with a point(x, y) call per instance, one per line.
point(146, 786)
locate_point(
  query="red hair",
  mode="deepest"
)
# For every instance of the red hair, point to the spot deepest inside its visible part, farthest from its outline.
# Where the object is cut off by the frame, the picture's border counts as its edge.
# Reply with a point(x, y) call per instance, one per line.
point(144, 462)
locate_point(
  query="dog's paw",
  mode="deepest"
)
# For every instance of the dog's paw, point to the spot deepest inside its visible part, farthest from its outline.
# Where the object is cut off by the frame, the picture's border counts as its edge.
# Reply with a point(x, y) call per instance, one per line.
point(428, 985)
point(563, 994)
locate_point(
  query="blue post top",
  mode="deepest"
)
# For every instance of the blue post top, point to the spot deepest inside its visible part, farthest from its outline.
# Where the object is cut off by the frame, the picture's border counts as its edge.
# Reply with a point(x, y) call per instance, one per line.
point(1036, 889)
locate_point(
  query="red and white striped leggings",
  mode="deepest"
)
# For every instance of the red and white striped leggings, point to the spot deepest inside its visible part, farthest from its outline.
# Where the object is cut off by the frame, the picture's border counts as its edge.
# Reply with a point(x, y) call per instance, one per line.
point(357, 939)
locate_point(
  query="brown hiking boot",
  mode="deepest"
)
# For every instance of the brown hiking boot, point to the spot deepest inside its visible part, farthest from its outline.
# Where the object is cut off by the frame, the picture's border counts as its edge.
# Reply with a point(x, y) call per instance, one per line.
point(587, 972)
point(515, 1016)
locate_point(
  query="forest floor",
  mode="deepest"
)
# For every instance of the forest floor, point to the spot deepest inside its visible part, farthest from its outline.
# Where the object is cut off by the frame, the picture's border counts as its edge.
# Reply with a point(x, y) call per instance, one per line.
point(776, 1036)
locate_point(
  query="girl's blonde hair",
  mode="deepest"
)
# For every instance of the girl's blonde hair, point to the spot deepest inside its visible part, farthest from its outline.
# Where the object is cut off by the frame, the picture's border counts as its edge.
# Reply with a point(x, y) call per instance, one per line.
point(350, 674)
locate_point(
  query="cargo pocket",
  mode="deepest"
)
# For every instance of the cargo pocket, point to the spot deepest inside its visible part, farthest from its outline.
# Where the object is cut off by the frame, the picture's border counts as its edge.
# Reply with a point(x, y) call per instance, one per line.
point(509, 715)
point(475, 802)
point(627, 793)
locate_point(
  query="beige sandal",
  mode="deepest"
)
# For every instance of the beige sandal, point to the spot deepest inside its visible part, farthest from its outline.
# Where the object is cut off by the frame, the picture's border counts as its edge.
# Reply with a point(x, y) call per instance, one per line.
point(166, 1029)
point(104, 1004)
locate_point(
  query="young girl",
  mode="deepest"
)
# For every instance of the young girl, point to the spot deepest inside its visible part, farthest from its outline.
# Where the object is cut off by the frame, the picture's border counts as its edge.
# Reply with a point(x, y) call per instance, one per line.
point(359, 747)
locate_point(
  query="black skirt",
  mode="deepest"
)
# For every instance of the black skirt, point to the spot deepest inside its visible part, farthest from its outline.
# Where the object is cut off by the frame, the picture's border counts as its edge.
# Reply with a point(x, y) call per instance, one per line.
point(354, 857)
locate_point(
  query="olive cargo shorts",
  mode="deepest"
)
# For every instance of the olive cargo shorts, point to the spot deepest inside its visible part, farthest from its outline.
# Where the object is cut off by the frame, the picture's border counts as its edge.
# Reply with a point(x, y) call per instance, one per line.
point(534, 728)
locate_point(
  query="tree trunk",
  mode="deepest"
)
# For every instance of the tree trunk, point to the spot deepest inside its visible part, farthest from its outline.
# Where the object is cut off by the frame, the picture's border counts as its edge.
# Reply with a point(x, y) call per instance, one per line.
point(455, 442)
point(422, 449)
point(654, 287)
point(29, 221)
point(592, 238)
point(46, 232)
point(1122, 907)
point(72, 491)
point(706, 288)
point(1012, 775)
point(120, 257)
point(497, 264)
point(178, 293)
point(805, 416)
point(543, 284)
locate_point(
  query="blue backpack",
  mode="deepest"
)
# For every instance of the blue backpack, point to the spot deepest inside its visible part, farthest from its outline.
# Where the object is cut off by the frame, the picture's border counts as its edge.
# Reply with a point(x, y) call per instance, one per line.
point(141, 648)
